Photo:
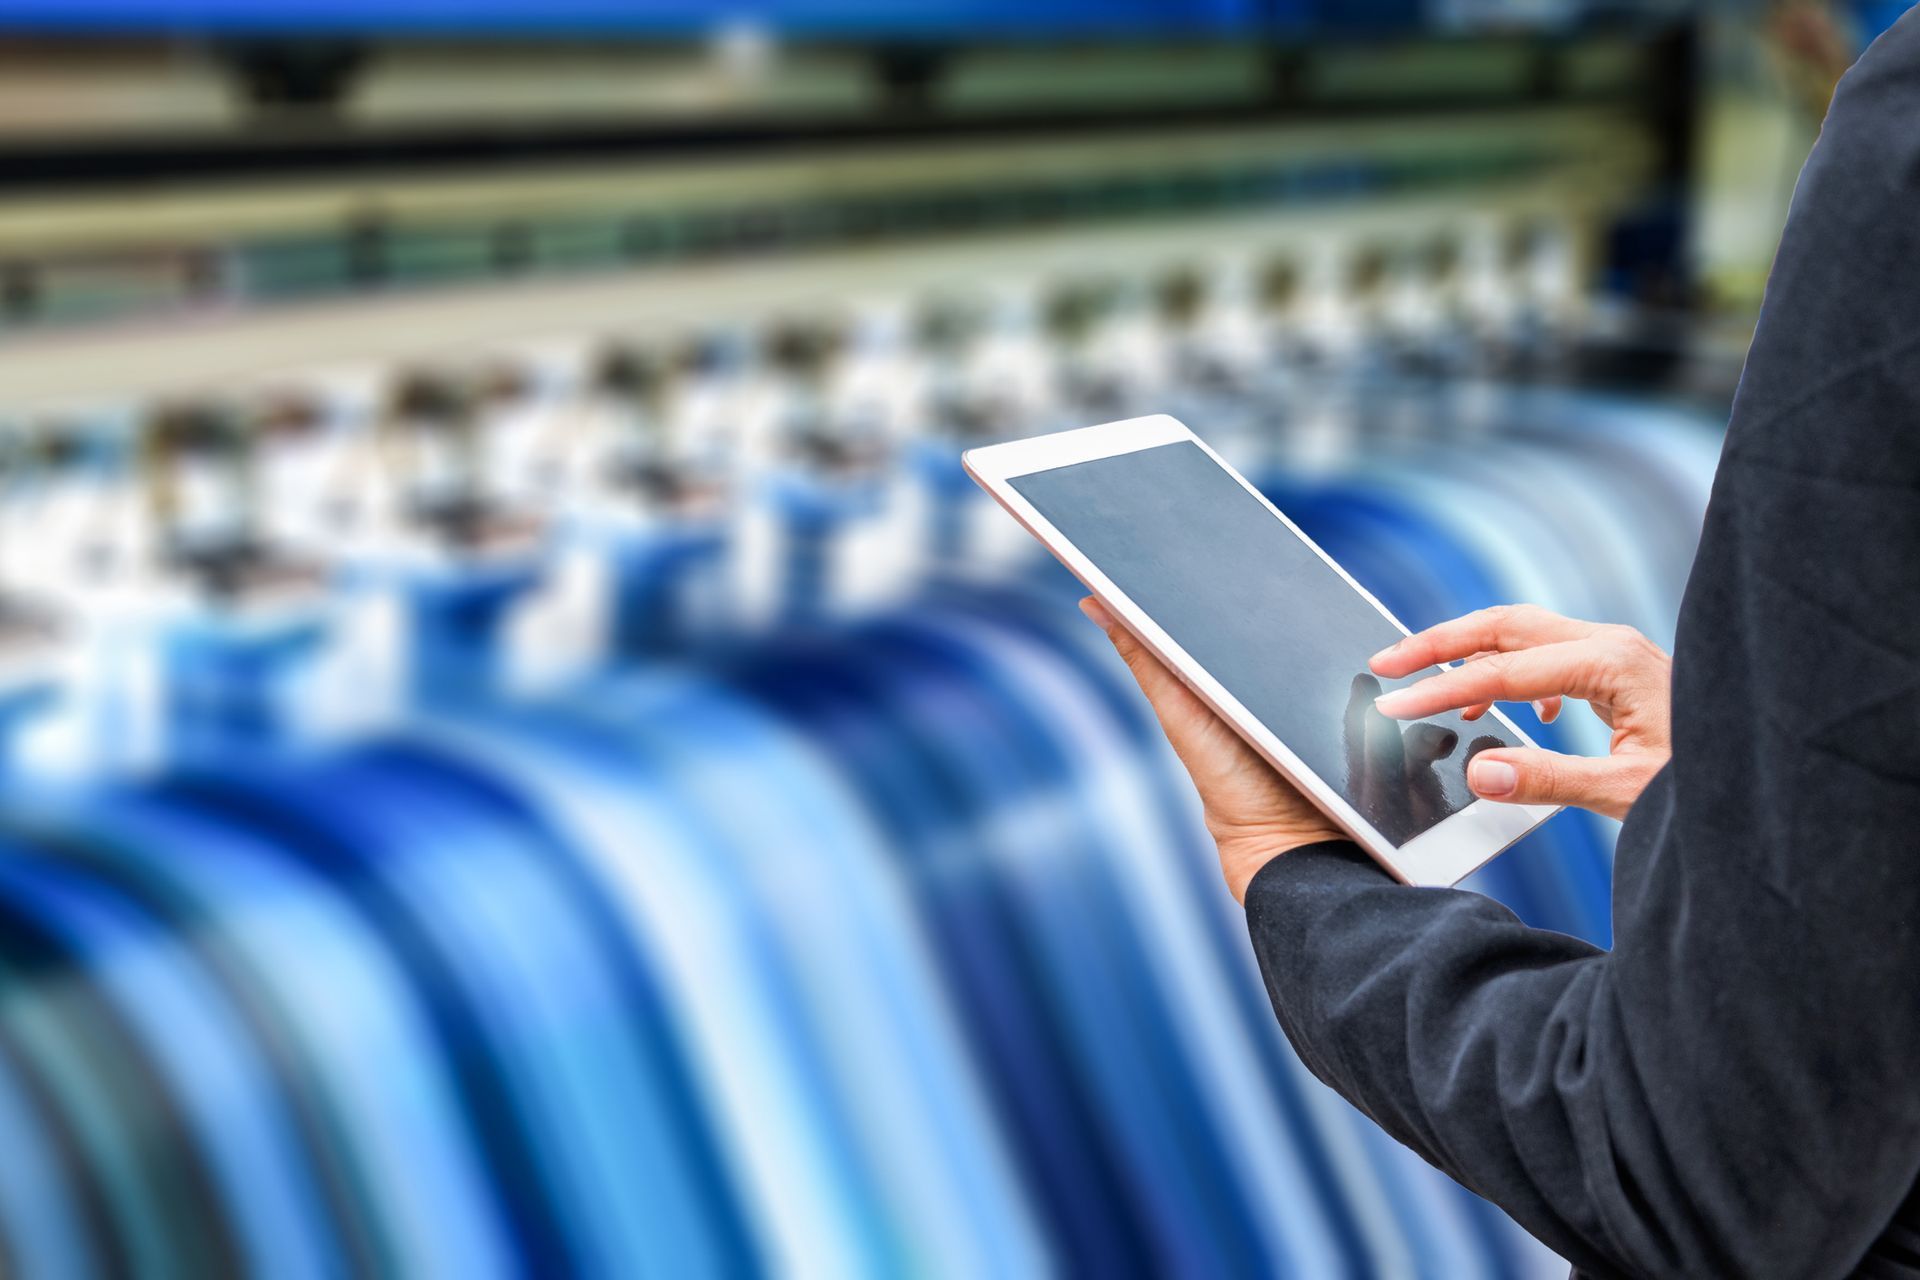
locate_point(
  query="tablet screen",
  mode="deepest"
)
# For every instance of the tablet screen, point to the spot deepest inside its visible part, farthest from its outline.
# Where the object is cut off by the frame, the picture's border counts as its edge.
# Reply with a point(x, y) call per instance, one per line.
point(1269, 619)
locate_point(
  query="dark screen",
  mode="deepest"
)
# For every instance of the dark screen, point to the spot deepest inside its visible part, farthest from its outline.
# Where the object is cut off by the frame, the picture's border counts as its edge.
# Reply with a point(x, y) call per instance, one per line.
point(1269, 619)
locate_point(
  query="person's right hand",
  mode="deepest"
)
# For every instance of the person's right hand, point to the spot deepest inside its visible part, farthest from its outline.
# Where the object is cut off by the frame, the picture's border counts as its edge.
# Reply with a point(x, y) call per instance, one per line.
point(1521, 653)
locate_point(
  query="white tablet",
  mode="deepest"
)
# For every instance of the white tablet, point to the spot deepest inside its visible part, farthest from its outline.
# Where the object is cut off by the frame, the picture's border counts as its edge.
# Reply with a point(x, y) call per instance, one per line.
point(1265, 627)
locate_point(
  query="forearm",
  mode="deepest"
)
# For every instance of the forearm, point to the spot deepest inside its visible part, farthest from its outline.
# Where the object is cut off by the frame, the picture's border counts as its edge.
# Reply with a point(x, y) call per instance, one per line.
point(1402, 1000)
point(1635, 1132)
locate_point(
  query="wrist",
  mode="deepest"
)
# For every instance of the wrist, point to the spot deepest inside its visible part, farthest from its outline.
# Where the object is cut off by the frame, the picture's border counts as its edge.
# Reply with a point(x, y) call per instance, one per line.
point(1244, 854)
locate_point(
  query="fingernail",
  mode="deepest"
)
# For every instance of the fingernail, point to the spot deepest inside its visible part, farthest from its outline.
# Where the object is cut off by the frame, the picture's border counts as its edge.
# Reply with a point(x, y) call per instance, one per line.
point(1392, 704)
point(1384, 654)
point(1540, 709)
point(1494, 777)
point(1097, 613)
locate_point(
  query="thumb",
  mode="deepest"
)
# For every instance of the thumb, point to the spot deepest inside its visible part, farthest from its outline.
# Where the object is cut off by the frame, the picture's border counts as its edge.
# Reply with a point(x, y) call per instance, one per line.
point(1532, 776)
point(1130, 648)
point(1161, 686)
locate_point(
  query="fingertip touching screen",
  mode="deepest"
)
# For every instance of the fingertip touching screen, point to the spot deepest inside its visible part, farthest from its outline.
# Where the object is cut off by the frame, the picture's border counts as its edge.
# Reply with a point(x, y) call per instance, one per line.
point(1278, 627)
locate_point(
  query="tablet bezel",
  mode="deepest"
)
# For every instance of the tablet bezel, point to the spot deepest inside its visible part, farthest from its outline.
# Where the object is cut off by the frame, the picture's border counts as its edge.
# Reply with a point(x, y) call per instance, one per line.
point(1443, 854)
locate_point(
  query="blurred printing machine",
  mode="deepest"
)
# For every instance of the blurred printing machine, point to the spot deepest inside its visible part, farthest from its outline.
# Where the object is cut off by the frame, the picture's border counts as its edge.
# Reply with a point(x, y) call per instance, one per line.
point(353, 268)
point(401, 432)
point(193, 491)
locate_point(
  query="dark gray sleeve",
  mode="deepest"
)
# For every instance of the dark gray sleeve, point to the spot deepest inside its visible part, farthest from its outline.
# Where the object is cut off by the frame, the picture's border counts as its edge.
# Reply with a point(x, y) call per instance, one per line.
point(1735, 1088)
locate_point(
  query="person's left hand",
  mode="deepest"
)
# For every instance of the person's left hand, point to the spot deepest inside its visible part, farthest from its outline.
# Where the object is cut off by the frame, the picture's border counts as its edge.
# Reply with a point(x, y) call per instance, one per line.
point(1253, 814)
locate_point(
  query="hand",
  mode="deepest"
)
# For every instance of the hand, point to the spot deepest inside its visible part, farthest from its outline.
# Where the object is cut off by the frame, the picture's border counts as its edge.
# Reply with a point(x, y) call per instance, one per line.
point(1253, 813)
point(1519, 653)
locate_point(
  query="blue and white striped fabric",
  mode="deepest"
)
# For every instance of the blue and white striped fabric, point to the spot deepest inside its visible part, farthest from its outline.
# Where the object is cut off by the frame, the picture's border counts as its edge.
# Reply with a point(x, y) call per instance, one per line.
point(872, 946)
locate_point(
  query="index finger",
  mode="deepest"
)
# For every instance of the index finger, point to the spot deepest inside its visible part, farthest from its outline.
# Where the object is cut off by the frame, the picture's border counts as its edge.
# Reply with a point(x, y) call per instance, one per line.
point(1503, 628)
point(1573, 668)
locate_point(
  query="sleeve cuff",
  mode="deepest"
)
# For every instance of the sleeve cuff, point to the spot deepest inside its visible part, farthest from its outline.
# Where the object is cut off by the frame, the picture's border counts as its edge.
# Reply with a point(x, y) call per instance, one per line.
point(1316, 866)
